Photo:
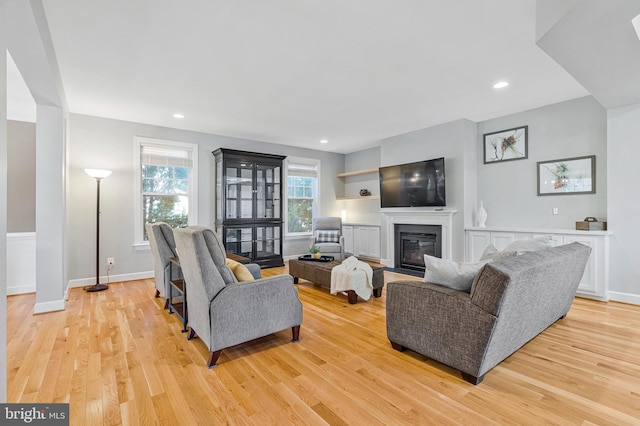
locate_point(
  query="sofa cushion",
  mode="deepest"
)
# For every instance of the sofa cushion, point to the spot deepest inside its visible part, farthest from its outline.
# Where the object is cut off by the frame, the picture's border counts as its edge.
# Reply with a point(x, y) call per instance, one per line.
point(448, 273)
point(327, 236)
point(530, 244)
point(240, 271)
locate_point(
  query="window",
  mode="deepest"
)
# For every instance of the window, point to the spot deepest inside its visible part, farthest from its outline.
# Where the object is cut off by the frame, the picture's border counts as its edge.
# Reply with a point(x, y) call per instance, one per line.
point(302, 194)
point(166, 176)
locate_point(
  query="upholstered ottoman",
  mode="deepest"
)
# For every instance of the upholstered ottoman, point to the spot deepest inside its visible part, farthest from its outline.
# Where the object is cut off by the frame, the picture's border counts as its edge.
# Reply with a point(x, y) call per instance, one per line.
point(319, 273)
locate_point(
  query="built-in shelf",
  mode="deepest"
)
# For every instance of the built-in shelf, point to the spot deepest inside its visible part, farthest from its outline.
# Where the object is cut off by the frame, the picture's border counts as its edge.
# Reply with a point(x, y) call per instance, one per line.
point(357, 172)
point(368, 197)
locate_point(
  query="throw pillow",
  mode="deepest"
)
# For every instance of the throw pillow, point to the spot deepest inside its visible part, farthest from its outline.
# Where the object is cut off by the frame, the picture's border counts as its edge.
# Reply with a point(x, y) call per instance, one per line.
point(239, 270)
point(492, 253)
point(530, 244)
point(455, 275)
point(328, 236)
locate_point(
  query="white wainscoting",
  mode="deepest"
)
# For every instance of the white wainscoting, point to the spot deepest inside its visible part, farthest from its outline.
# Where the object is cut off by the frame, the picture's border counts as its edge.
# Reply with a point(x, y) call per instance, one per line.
point(21, 262)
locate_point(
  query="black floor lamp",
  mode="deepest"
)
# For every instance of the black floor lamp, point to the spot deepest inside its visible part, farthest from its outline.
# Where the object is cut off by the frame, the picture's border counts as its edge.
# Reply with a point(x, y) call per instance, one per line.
point(98, 174)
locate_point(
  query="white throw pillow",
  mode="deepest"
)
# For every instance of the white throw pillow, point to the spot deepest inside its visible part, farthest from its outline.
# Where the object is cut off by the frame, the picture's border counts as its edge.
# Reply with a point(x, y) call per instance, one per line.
point(530, 244)
point(492, 253)
point(455, 275)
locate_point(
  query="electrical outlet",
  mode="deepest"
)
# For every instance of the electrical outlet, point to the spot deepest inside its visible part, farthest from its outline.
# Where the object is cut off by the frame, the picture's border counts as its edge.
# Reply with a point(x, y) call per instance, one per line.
point(555, 210)
point(110, 262)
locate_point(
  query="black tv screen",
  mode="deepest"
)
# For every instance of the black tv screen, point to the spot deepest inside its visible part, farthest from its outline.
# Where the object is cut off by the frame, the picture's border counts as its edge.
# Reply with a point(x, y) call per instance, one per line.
point(420, 184)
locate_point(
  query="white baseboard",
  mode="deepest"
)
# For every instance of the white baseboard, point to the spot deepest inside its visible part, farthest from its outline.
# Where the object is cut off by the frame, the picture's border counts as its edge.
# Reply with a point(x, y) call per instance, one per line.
point(633, 299)
point(43, 307)
point(20, 289)
point(81, 282)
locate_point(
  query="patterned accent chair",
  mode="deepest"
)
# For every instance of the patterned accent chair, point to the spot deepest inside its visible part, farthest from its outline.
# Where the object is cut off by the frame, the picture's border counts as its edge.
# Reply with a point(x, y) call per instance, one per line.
point(163, 248)
point(225, 312)
point(327, 235)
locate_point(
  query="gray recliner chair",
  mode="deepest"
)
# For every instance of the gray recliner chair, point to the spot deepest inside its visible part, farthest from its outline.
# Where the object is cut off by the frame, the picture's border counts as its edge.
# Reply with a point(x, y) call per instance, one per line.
point(224, 312)
point(327, 235)
point(163, 248)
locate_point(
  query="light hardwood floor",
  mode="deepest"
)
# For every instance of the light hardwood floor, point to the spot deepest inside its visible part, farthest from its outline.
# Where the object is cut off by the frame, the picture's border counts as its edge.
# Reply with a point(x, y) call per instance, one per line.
point(118, 358)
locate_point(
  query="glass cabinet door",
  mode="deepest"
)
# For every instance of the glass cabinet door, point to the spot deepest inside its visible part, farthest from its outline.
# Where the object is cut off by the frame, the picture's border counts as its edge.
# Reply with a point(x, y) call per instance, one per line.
point(267, 192)
point(267, 241)
point(239, 240)
point(239, 187)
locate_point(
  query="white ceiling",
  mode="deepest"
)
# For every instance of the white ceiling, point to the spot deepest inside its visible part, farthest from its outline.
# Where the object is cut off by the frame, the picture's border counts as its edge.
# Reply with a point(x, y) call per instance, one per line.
point(298, 71)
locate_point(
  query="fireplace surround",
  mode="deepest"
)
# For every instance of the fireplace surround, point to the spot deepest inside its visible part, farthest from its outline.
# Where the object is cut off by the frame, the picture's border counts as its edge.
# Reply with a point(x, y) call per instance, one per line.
point(415, 216)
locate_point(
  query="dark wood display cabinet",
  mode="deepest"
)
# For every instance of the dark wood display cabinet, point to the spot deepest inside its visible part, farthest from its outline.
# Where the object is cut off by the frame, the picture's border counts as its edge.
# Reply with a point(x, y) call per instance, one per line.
point(249, 204)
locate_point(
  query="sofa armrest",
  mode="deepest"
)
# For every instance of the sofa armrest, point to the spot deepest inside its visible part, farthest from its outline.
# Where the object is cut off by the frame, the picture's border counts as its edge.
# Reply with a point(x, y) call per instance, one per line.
point(247, 310)
point(438, 322)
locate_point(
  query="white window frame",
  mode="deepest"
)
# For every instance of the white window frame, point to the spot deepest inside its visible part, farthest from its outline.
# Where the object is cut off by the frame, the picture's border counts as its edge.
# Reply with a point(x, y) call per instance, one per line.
point(316, 205)
point(139, 142)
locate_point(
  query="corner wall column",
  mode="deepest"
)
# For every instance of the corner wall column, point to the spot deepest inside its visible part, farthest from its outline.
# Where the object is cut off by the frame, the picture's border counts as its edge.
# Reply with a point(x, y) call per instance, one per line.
point(50, 209)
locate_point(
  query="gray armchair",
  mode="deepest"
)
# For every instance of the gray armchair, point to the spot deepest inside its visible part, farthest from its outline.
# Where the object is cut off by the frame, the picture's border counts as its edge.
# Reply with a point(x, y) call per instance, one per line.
point(224, 312)
point(327, 235)
point(163, 245)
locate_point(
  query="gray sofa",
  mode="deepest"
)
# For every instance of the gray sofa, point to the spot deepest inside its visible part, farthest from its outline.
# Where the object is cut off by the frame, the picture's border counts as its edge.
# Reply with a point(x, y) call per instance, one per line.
point(224, 312)
point(511, 302)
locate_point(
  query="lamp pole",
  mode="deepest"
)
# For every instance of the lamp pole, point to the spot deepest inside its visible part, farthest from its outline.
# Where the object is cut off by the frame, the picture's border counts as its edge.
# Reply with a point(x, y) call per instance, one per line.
point(98, 175)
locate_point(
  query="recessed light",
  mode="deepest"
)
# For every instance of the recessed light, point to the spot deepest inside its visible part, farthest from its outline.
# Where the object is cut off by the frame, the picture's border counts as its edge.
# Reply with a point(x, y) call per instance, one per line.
point(178, 115)
point(324, 141)
point(501, 85)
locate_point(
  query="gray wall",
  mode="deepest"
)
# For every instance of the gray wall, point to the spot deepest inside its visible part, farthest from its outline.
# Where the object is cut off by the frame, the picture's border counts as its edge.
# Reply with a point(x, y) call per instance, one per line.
point(564, 130)
point(362, 211)
point(456, 142)
point(623, 204)
point(109, 144)
point(21, 176)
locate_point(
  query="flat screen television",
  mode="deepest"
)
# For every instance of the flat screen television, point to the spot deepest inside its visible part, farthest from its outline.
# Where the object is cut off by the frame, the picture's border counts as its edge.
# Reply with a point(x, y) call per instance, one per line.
point(419, 184)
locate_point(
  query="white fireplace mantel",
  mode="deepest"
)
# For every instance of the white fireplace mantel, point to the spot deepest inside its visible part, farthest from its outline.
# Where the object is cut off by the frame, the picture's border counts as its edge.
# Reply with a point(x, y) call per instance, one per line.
point(444, 218)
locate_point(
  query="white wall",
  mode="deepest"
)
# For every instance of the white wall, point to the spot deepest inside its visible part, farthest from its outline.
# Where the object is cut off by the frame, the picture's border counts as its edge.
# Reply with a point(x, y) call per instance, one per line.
point(109, 144)
point(564, 130)
point(454, 141)
point(623, 204)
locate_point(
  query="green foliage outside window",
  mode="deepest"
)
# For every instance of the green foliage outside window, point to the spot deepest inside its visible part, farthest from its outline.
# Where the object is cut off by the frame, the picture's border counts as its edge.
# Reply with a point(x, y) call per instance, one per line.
point(165, 195)
point(300, 203)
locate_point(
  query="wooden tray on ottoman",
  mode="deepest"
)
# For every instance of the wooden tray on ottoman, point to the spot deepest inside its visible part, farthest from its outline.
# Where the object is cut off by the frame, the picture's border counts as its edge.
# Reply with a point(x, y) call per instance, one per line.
point(319, 273)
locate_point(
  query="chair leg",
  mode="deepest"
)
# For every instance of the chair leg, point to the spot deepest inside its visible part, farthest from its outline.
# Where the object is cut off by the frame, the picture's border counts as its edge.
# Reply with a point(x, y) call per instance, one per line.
point(398, 347)
point(157, 293)
point(295, 333)
point(191, 334)
point(213, 358)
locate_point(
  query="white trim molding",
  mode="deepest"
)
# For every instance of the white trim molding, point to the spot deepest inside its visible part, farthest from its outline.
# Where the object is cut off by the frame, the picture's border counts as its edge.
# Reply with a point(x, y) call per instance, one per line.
point(416, 216)
point(81, 282)
point(616, 296)
point(52, 306)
